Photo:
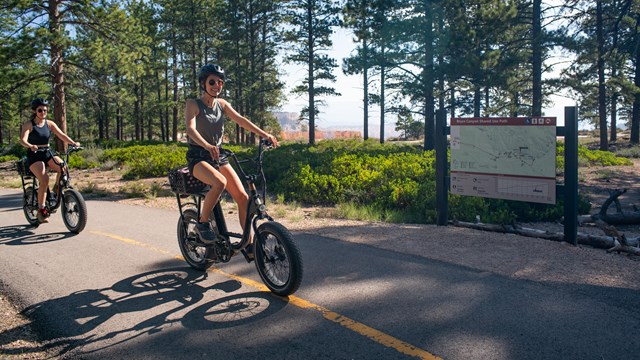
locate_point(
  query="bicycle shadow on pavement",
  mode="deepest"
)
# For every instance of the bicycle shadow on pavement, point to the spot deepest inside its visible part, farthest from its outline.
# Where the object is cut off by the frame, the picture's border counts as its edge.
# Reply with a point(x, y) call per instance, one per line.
point(155, 301)
point(23, 235)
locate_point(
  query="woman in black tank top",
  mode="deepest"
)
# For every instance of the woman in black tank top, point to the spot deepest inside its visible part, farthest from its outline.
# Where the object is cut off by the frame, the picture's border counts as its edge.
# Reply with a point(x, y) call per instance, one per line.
point(205, 132)
point(36, 134)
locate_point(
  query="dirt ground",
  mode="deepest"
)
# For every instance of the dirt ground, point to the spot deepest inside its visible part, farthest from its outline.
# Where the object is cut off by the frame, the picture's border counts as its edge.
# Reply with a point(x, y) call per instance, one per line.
point(505, 254)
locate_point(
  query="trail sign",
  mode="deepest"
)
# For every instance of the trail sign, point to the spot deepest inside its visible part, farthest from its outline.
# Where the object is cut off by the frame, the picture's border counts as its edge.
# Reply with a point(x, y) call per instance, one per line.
point(504, 158)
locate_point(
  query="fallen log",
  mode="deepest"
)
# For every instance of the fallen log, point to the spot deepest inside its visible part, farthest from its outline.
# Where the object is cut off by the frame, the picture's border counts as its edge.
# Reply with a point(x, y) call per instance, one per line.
point(600, 242)
point(621, 243)
point(630, 218)
point(618, 218)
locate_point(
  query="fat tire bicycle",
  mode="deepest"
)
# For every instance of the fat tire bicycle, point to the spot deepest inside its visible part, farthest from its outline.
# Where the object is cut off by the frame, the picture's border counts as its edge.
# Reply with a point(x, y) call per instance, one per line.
point(74, 209)
point(275, 252)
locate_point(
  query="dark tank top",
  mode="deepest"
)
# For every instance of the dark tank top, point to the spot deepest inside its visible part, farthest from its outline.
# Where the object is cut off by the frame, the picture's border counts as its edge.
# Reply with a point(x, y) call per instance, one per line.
point(209, 123)
point(39, 135)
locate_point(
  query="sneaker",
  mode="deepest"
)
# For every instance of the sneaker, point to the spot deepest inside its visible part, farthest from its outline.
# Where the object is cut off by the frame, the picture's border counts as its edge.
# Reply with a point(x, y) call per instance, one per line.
point(43, 216)
point(206, 233)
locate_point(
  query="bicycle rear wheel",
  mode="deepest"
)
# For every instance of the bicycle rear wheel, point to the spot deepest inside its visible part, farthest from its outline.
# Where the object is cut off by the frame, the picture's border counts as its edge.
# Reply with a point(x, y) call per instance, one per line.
point(30, 206)
point(74, 211)
point(277, 258)
point(194, 253)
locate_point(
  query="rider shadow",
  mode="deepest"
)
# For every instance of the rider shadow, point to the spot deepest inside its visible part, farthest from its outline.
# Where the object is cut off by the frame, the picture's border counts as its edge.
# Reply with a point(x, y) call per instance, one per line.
point(22, 235)
point(13, 232)
point(234, 310)
point(70, 321)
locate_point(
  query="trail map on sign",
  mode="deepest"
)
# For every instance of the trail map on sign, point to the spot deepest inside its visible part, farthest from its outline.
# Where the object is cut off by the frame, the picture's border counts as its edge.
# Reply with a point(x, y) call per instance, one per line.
point(507, 158)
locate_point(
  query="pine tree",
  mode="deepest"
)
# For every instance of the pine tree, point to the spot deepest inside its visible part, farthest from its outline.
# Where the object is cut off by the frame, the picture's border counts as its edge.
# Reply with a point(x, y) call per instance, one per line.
point(312, 23)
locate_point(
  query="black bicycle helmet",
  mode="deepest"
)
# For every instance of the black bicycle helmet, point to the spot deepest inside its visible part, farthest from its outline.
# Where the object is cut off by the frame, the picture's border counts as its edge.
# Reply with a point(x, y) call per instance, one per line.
point(38, 102)
point(209, 69)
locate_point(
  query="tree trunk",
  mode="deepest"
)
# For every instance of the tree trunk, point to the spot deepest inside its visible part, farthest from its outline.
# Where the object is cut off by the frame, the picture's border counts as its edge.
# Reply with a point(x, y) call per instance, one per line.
point(429, 120)
point(452, 97)
point(106, 119)
point(537, 59)
point(365, 86)
point(476, 99)
point(166, 101)
point(613, 137)
point(602, 104)
point(136, 111)
point(175, 86)
point(118, 122)
point(1, 125)
point(57, 72)
point(312, 107)
point(382, 99)
point(159, 93)
point(441, 75)
point(635, 117)
point(100, 119)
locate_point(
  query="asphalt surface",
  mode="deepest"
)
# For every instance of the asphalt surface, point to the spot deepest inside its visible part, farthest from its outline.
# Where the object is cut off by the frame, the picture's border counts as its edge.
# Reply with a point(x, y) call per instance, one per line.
point(120, 290)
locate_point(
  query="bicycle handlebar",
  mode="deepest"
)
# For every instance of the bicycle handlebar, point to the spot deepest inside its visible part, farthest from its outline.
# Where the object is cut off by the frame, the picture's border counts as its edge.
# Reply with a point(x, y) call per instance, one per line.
point(70, 149)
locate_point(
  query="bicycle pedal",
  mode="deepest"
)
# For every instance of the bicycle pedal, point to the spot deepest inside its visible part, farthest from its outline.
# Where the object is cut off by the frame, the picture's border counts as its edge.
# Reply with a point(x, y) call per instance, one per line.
point(247, 257)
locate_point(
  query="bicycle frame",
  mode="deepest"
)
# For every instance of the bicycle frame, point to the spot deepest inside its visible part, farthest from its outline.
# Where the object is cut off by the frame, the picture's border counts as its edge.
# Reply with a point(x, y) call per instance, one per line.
point(65, 178)
point(256, 209)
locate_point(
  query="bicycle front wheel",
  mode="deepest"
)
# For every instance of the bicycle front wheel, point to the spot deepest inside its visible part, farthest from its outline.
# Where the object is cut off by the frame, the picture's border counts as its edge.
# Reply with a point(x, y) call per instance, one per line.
point(74, 211)
point(194, 253)
point(277, 258)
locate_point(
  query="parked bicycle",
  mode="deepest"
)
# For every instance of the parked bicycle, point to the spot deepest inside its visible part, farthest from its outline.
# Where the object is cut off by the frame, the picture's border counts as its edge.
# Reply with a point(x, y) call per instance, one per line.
point(74, 209)
point(277, 257)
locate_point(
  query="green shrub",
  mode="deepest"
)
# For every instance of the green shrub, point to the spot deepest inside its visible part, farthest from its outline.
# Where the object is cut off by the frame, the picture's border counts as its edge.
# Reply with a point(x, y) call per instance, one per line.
point(588, 157)
point(4, 158)
point(142, 161)
point(16, 150)
point(391, 183)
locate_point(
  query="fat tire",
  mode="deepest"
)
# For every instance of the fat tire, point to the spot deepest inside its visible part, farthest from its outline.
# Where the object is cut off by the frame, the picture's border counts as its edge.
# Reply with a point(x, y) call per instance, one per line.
point(282, 275)
point(30, 214)
point(72, 196)
point(201, 262)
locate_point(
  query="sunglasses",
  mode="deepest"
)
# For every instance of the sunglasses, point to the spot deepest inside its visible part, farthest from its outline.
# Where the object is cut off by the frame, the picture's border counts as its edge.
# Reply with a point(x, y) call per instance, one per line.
point(42, 110)
point(213, 82)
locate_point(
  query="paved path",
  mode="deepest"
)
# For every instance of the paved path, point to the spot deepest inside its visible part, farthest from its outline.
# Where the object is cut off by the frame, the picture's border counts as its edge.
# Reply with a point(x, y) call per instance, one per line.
point(120, 290)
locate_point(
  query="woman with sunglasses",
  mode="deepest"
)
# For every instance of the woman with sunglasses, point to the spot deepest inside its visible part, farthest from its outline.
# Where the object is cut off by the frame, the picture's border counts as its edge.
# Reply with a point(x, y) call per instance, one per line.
point(205, 130)
point(36, 134)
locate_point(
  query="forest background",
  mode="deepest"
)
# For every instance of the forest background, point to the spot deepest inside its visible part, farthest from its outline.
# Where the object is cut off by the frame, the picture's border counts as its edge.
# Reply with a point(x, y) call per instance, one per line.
point(122, 70)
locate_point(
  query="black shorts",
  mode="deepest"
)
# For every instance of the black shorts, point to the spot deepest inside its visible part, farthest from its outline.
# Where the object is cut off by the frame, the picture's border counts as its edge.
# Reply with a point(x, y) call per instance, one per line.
point(196, 154)
point(33, 157)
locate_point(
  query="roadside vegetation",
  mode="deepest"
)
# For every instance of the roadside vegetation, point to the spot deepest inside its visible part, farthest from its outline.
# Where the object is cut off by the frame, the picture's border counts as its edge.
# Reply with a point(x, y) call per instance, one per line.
point(355, 179)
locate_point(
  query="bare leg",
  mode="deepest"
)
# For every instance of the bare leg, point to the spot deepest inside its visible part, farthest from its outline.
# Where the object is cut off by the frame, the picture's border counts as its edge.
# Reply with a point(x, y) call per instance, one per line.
point(236, 190)
point(40, 171)
point(53, 165)
point(206, 173)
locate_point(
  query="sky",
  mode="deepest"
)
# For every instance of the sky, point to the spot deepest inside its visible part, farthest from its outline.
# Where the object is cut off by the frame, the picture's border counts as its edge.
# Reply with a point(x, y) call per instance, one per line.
point(346, 112)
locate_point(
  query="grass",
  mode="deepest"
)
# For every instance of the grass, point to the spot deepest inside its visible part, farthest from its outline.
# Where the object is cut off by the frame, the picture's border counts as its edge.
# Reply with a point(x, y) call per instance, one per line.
point(11, 182)
point(604, 174)
point(94, 189)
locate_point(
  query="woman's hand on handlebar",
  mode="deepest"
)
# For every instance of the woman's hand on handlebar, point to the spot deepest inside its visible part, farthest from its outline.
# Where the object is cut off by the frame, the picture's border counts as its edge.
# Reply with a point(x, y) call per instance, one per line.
point(214, 151)
point(271, 140)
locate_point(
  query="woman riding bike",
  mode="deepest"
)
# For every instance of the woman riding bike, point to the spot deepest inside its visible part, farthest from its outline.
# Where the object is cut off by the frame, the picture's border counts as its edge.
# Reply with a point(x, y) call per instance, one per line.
point(36, 134)
point(205, 129)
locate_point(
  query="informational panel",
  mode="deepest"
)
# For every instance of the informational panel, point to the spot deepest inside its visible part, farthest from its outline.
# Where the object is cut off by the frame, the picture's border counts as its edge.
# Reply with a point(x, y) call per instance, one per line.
point(504, 158)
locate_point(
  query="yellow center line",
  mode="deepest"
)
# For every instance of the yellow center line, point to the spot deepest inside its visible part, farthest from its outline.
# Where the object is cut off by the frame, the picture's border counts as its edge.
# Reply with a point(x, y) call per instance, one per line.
point(355, 326)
